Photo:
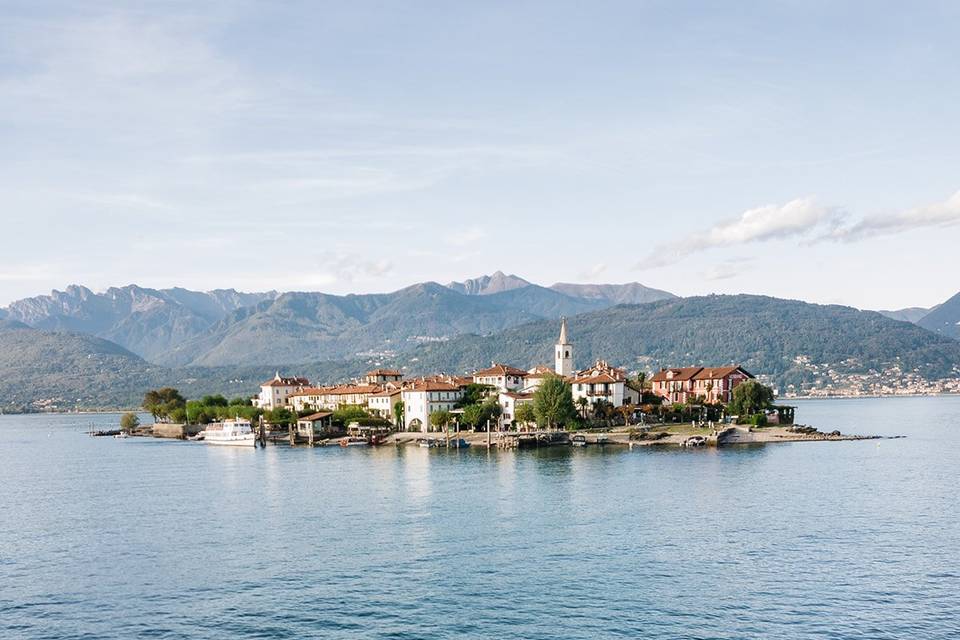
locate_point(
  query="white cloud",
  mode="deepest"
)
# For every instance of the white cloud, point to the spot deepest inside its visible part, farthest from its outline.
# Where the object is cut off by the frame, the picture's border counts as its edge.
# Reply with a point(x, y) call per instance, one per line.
point(802, 217)
point(939, 214)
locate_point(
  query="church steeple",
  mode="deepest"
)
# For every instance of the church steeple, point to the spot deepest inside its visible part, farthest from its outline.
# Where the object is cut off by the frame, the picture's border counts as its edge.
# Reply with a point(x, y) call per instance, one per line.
point(563, 356)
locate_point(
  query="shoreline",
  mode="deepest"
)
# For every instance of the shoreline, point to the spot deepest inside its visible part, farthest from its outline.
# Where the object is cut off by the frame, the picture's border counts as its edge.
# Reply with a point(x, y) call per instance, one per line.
point(138, 410)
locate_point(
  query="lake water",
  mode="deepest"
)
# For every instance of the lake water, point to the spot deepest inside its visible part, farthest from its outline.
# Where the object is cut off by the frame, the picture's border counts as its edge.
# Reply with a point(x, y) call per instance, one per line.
point(104, 538)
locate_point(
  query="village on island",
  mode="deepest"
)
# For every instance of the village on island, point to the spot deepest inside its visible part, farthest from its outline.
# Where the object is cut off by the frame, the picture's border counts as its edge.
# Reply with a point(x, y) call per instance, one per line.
point(499, 406)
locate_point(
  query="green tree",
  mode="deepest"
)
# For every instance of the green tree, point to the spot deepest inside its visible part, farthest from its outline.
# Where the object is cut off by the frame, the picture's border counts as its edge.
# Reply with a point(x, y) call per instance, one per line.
point(178, 415)
point(582, 405)
point(348, 413)
point(473, 415)
point(439, 420)
point(473, 393)
point(161, 403)
point(129, 422)
point(492, 410)
point(398, 414)
point(553, 403)
point(214, 401)
point(280, 417)
point(525, 414)
point(240, 402)
point(750, 397)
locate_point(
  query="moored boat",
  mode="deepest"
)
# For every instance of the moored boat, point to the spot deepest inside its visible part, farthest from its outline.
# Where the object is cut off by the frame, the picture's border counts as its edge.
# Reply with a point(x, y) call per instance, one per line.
point(579, 440)
point(353, 442)
point(236, 433)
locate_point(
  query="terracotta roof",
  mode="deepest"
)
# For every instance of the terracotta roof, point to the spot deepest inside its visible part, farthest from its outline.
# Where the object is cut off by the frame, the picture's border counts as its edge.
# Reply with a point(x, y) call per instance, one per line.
point(320, 415)
point(386, 393)
point(384, 372)
point(286, 382)
point(540, 369)
point(431, 385)
point(516, 395)
point(681, 373)
point(600, 377)
point(546, 374)
point(339, 390)
point(348, 389)
point(718, 373)
point(501, 370)
point(310, 391)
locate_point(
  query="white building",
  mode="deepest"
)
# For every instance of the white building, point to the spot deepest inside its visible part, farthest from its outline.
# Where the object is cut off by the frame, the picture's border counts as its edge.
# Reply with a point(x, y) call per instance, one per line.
point(332, 398)
point(276, 392)
point(382, 404)
point(501, 376)
point(603, 382)
point(536, 376)
point(509, 401)
point(563, 353)
point(423, 398)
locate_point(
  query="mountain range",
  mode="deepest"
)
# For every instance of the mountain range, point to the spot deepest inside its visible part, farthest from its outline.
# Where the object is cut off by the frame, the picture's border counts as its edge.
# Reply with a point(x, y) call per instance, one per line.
point(177, 327)
point(104, 349)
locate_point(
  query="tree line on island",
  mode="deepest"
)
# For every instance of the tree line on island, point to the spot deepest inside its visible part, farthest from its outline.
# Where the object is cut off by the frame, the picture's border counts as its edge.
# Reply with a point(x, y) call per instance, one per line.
point(553, 407)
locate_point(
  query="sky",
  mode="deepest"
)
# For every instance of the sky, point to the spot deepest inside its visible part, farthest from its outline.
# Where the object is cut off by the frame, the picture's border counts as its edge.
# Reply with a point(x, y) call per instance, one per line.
point(804, 150)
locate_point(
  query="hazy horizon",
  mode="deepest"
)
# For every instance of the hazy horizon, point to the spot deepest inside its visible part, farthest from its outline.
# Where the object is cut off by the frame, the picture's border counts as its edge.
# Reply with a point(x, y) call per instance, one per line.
point(798, 150)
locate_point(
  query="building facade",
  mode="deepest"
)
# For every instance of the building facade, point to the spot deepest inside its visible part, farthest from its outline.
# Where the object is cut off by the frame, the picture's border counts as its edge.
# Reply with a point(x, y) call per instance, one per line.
point(276, 393)
point(602, 382)
point(383, 376)
point(509, 401)
point(705, 384)
point(501, 376)
point(423, 398)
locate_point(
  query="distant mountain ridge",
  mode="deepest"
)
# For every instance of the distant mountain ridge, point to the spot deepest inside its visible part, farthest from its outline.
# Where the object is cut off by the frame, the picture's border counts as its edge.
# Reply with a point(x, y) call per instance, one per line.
point(629, 293)
point(910, 314)
point(178, 327)
point(305, 327)
point(148, 322)
point(944, 318)
point(788, 342)
point(496, 282)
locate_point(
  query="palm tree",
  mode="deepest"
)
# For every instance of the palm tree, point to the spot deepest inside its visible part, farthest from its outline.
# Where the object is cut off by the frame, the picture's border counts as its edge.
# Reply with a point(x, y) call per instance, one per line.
point(582, 404)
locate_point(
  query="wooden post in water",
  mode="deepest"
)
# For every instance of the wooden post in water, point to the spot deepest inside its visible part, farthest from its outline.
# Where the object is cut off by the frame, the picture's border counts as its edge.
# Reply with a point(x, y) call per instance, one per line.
point(488, 433)
point(310, 435)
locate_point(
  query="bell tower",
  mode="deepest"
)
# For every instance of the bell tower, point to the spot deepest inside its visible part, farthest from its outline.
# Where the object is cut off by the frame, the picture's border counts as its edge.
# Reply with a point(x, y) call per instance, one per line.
point(563, 352)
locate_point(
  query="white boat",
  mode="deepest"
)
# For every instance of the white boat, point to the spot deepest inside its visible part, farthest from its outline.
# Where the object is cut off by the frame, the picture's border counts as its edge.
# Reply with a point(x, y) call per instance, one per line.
point(236, 433)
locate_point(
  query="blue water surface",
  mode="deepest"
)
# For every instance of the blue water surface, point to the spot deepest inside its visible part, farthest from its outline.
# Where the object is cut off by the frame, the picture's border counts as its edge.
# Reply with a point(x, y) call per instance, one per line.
point(143, 538)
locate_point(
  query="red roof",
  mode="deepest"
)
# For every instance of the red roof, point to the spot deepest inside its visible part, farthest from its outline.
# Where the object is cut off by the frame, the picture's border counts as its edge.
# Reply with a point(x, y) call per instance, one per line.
point(600, 377)
point(516, 395)
point(719, 373)
point(681, 373)
point(384, 372)
point(286, 382)
point(501, 370)
point(339, 390)
point(320, 415)
point(430, 385)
